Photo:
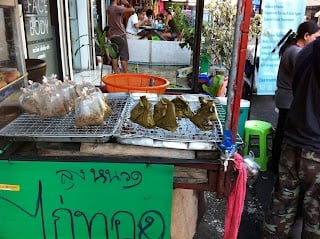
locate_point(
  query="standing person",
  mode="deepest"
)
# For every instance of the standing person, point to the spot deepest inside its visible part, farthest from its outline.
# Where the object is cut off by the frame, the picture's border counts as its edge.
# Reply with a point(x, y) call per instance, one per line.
point(299, 166)
point(118, 32)
point(136, 21)
point(171, 29)
point(306, 33)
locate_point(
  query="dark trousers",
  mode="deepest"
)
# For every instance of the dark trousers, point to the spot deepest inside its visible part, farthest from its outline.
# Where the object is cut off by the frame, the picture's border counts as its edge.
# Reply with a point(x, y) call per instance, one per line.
point(277, 140)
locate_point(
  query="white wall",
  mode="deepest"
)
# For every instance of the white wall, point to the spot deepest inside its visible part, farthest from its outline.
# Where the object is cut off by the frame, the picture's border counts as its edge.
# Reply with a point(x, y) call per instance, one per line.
point(158, 52)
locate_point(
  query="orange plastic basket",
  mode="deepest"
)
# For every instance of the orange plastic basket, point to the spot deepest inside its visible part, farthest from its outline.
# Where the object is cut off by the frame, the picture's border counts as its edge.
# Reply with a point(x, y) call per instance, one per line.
point(135, 83)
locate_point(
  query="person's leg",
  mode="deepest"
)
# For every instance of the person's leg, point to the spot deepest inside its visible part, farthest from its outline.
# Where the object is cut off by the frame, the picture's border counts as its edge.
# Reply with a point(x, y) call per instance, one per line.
point(277, 140)
point(165, 35)
point(284, 205)
point(114, 62)
point(124, 65)
point(115, 66)
point(310, 176)
point(124, 55)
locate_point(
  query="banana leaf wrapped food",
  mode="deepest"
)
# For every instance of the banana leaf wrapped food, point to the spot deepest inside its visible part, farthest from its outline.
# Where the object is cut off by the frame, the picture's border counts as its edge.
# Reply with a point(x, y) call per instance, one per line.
point(165, 115)
point(182, 108)
point(142, 113)
point(205, 114)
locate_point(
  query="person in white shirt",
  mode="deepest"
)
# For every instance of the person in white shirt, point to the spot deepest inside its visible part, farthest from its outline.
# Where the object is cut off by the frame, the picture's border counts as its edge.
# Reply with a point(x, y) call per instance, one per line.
point(136, 21)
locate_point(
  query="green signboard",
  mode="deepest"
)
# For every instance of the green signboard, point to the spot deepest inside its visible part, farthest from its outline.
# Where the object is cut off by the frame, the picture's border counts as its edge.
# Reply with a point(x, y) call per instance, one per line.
point(79, 200)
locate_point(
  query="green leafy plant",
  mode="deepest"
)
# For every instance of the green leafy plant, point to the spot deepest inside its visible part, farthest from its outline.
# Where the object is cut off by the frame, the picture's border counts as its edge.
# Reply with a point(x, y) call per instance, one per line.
point(104, 47)
point(184, 25)
point(255, 25)
point(218, 32)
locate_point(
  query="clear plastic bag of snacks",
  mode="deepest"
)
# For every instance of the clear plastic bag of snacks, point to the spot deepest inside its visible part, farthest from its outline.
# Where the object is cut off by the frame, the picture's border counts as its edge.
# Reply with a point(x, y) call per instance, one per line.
point(87, 86)
point(68, 91)
point(30, 98)
point(102, 101)
point(88, 111)
point(51, 103)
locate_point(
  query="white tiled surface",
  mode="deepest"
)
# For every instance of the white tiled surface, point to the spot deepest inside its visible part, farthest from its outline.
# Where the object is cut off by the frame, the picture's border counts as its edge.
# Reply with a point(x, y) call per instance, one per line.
point(92, 76)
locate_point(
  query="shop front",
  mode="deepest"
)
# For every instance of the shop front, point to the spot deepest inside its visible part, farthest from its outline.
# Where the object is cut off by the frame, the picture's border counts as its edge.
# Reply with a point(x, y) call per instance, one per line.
point(61, 33)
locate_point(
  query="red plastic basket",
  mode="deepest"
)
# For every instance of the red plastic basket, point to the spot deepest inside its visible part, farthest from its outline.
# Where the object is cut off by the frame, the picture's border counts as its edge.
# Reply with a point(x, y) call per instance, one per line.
point(135, 83)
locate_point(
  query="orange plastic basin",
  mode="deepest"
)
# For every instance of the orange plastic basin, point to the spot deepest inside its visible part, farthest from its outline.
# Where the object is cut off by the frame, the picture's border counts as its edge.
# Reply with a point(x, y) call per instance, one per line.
point(135, 83)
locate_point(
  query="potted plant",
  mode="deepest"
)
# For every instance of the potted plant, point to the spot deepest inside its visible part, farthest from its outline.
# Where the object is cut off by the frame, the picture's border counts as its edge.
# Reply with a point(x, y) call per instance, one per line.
point(103, 46)
point(217, 38)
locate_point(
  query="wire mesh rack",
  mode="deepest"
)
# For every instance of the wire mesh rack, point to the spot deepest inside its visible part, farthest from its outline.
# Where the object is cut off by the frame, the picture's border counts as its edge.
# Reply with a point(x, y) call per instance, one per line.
point(29, 127)
point(187, 135)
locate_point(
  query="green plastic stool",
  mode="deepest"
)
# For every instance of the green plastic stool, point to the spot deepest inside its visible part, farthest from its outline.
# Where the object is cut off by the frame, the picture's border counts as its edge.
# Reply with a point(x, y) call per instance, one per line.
point(256, 135)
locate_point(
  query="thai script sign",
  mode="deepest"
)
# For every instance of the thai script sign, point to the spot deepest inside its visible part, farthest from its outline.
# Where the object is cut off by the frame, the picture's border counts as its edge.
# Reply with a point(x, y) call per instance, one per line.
point(41, 200)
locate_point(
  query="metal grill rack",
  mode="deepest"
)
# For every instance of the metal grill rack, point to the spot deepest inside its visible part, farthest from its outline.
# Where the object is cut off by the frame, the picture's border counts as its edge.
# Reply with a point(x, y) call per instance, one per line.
point(187, 136)
point(32, 128)
point(28, 127)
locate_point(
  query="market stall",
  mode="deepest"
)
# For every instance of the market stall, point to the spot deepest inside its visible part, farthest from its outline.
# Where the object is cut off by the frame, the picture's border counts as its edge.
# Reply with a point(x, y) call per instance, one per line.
point(113, 180)
point(55, 153)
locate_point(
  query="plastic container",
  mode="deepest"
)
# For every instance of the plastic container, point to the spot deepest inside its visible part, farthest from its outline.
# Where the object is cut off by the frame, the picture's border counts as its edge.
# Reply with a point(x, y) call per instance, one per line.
point(204, 79)
point(243, 116)
point(204, 64)
point(135, 83)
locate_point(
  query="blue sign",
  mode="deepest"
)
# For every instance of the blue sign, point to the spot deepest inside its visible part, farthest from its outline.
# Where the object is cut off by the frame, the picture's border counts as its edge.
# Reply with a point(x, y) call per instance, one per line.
point(278, 17)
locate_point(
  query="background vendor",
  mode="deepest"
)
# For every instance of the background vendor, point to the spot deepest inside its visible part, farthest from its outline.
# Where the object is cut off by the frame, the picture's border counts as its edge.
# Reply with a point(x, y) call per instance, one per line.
point(136, 21)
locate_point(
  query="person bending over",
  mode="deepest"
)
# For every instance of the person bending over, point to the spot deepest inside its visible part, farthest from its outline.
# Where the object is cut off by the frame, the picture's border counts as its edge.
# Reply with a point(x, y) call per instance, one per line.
point(117, 32)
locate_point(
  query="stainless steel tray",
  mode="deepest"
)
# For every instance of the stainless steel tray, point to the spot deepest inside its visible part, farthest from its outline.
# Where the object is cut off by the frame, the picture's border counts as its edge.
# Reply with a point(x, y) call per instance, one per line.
point(28, 127)
point(187, 136)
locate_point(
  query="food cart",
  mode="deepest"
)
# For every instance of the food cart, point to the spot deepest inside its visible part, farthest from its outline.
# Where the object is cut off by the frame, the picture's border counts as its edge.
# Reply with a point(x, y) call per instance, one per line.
point(116, 180)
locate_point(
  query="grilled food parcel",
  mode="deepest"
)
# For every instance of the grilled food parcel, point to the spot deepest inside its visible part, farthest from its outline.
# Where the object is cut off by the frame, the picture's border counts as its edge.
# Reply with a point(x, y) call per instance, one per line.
point(54, 98)
point(142, 113)
point(165, 115)
point(205, 114)
point(166, 112)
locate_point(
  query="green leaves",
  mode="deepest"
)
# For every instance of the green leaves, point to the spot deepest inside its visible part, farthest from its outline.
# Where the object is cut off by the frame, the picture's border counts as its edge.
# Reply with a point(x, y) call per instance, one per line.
point(104, 46)
point(219, 31)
